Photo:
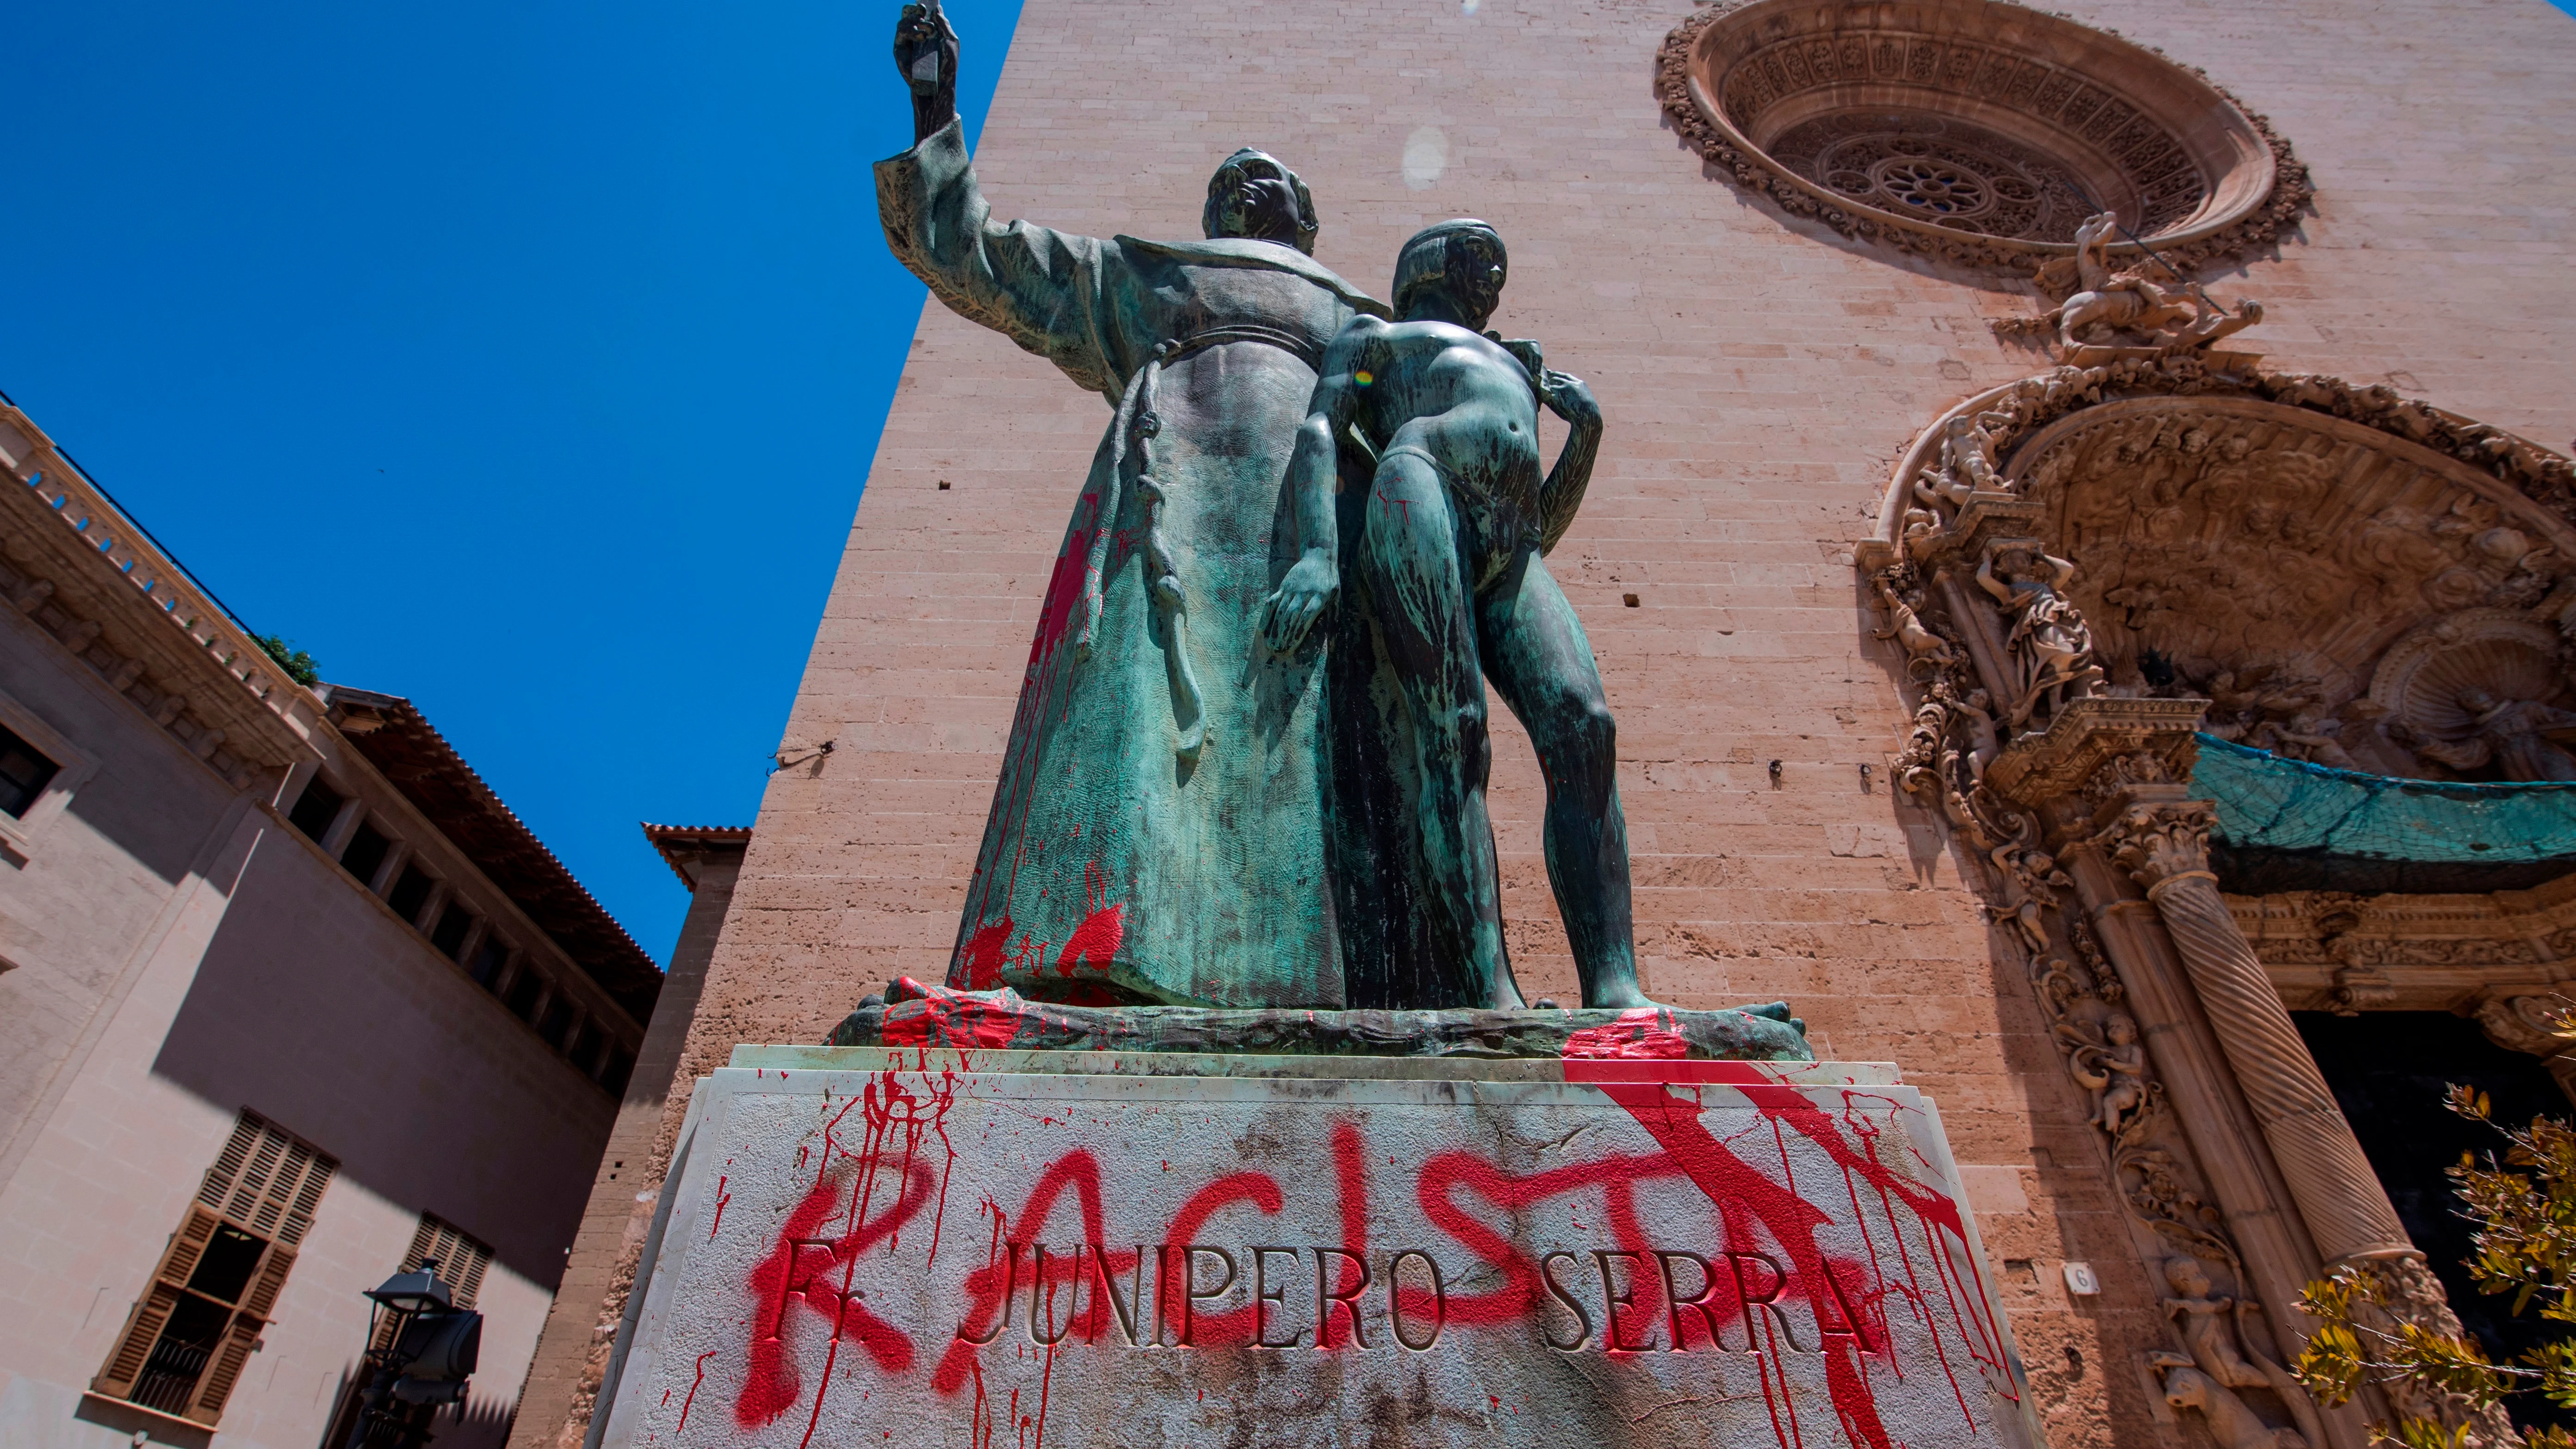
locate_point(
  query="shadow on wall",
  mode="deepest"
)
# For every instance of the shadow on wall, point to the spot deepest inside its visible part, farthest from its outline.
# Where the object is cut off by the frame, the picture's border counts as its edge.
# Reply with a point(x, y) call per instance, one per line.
point(482, 1422)
point(317, 1009)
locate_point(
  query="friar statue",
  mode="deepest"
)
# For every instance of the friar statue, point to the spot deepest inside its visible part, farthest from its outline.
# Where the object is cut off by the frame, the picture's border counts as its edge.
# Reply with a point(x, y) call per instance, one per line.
point(1157, 830)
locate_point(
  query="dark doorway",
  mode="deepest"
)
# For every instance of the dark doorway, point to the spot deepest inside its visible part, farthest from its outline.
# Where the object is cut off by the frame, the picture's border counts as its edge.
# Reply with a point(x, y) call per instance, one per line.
point(2389, 1071)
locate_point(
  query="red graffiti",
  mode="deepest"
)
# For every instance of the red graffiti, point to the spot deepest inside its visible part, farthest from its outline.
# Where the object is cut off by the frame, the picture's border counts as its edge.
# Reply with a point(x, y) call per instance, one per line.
point(798, 1268)
point(1350, 1171)
point(1729, 1288)
point(803, 1258)
point(1739, 1192)
point(1171, 1289)
point(991, 1288)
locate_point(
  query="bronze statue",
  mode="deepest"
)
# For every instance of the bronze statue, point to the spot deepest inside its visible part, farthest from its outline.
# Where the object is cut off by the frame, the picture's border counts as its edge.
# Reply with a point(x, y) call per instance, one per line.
point(1157, 832)
point(1427, 430)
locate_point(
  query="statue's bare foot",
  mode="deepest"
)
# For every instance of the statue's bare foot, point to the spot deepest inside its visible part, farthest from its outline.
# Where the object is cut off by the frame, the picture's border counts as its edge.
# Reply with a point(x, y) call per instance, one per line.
point(1619, 995)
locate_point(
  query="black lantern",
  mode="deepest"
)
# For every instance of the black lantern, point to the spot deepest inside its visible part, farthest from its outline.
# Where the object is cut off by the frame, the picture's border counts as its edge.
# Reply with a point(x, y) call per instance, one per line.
point(421, 1350)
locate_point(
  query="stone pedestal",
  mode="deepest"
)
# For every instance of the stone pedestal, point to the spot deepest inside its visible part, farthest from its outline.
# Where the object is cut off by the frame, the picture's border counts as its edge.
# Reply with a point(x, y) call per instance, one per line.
point(866, 1245)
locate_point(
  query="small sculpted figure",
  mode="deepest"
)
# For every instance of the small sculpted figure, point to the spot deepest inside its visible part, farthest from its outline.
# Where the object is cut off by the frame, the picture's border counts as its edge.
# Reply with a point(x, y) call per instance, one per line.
point(2512, 734)
point(1427, 430)
point(2050, 641)
point(2114, 1072)
point(2126, 301)
point(1924, 650)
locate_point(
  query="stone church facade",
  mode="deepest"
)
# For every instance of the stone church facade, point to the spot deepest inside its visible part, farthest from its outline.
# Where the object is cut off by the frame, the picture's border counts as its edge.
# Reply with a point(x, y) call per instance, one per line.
point(2017, 705)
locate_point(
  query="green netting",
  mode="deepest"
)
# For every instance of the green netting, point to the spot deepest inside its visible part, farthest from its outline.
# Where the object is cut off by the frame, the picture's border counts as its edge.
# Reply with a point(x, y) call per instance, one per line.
point(2267, 803)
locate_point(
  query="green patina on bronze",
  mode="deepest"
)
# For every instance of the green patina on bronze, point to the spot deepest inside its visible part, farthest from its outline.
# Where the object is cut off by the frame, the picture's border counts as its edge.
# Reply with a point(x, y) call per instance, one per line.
point(1157, 828)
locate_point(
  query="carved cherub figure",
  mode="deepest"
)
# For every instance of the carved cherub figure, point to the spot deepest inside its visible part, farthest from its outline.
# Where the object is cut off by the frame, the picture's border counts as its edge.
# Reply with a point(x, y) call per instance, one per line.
point(2208, 1327)
point(1984, 740)
point(2308, 735)
point(1924, 650)
point(2114, 1070)
point(1967, 455)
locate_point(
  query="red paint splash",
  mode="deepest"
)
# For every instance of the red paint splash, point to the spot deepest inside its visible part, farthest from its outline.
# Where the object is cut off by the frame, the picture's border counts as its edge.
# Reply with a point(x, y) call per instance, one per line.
point(979, 961)
point(693, 1391)
point(1095, 940)
point(1643, 1034)
point(948, 1019)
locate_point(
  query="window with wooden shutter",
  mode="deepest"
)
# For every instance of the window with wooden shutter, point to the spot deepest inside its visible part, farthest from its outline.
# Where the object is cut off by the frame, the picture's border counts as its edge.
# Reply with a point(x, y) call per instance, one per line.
point(217, 1283)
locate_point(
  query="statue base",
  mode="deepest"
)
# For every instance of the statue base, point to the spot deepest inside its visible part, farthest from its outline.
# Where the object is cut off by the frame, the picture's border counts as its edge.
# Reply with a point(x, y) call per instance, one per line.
point(918, 1015)
point(925, 1247)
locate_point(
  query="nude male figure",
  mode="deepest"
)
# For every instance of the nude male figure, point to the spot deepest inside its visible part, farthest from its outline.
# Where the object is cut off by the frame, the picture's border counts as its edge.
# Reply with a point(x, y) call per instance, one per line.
point(1447, 563)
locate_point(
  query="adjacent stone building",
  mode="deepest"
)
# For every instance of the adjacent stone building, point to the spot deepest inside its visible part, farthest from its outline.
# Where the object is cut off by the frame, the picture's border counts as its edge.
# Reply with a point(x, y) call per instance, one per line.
point(289, 1001)
point(2015, 690)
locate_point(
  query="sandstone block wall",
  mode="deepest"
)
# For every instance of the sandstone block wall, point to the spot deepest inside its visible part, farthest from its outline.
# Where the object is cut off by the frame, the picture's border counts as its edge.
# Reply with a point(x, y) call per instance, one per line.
point(1759, 377)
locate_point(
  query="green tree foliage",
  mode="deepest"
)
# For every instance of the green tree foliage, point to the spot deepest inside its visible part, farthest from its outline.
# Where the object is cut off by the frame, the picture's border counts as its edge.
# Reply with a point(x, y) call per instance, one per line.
point(2524, 1205)
point(299, 666)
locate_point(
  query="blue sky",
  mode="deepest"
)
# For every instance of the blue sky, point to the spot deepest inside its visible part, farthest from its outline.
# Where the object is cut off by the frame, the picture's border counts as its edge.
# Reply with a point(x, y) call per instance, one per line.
point(524, 359)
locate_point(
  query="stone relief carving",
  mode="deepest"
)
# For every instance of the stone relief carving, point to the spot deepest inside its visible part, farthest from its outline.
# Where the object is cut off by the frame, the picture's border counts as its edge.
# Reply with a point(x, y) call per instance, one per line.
point(2275, 544)
point(2128, 312)
point(2268, 558)
point(1955, 737)
point(2469, 691)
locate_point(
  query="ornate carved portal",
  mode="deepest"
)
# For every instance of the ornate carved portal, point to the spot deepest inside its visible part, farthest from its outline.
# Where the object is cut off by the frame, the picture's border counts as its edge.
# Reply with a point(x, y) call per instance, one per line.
point(2083, 568)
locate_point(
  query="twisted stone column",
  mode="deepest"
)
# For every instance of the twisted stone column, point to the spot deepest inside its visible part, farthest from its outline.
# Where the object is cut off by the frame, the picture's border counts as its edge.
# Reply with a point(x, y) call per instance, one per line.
point(2166, 847)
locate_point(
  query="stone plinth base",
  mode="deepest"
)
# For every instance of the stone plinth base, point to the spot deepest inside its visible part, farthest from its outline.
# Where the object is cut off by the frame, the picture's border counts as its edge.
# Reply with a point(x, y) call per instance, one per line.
point(870, 1246)
point(918, 1015)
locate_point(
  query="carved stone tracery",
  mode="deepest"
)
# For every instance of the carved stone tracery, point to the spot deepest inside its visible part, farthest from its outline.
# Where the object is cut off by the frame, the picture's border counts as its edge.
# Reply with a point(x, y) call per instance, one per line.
point(1977, 132)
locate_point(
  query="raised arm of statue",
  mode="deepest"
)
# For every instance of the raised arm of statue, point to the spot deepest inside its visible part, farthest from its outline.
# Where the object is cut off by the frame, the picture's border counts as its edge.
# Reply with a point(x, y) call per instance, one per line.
point(1043, 289)
point(925, 52)
point(1569, 398)
point(1986, 580)
point(2092, 258)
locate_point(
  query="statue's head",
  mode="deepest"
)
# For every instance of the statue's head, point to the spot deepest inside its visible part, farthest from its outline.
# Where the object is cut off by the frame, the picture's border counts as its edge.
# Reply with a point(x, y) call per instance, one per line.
point(2187, 1277)
point(1254, 195)
point(1463, 260)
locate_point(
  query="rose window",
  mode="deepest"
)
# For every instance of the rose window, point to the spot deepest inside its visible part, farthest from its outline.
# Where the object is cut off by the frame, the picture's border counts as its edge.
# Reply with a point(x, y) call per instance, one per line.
point(1980, 130)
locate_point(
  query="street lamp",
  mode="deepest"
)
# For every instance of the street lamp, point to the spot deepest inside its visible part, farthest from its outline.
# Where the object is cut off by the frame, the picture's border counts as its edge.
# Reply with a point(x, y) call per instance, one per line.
point(430, 1347)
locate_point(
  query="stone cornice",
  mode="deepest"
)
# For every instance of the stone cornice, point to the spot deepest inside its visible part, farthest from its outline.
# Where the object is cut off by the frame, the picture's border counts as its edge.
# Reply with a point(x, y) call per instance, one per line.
point(2422, 952)
point(2091, 733)
point(90, 577)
